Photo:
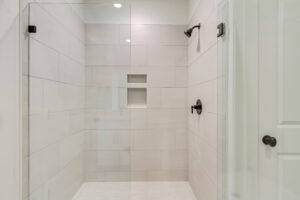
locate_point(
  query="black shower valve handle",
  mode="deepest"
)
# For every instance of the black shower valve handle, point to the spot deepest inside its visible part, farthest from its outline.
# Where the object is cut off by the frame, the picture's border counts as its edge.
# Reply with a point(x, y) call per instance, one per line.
point(197, 107)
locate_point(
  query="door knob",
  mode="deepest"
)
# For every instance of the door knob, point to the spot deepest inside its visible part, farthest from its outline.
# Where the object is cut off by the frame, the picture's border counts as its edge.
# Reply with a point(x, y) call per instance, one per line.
point(268, 140)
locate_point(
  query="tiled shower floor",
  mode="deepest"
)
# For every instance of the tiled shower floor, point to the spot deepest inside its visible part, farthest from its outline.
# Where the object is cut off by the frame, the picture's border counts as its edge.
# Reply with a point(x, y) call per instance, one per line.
point(135, 191)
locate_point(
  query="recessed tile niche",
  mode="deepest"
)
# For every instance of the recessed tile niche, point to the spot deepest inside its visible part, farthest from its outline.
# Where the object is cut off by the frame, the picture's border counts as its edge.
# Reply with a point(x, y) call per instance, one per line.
point(137, 96)
point(137, 78)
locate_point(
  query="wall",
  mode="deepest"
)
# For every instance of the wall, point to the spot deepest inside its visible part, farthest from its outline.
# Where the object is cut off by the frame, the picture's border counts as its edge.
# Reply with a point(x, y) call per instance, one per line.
point(140, 144)
point(107, 120)
point(9, 102)
point(56, 87)
point(56, 102)
point(159, 151)
point(203, 77)
point(202, 131)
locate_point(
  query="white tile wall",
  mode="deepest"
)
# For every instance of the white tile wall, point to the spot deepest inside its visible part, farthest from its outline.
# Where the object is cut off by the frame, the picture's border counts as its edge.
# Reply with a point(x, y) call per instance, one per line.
point(159, 12)
point(107, 55)
point(57, 100)
point(140, 12)
point(150, 137)
point(108, 140)
point(173, 97)
point(121, 143)
point(44, 61)
point(203, 84)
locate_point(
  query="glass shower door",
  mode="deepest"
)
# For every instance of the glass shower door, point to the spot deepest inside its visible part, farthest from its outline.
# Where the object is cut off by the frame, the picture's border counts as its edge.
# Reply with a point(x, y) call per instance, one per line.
point(79, 122)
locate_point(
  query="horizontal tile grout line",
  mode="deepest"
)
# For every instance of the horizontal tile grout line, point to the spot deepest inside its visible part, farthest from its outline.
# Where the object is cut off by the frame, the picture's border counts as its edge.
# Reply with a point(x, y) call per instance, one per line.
point(135, 85)
point(125, 109)
point(142, 129)
point(135, 45)
point(86, 132)
point(118, 150)
point(203, 82)
point(54, 112)
point(53, 177)
point(57, 81)
point(137, 66)
point(59, 141)
point(57, 51)
point(121, 109)
point(58, 112)
point(145, 109)
point(141, 24)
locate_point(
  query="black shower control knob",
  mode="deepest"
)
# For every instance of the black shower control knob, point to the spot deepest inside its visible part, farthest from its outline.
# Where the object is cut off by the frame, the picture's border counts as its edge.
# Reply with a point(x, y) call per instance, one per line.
point(197, 107)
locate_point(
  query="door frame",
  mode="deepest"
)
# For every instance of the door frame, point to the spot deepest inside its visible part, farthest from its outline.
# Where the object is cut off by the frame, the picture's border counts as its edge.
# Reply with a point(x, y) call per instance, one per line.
point(241, 136)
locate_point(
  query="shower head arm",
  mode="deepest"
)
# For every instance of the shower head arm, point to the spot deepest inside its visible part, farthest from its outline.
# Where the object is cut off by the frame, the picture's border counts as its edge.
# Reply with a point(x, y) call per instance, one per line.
point(196, 26)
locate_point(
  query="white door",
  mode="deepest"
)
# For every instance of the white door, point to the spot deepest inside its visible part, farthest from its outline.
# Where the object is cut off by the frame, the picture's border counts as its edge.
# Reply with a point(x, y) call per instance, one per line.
point(279, 99)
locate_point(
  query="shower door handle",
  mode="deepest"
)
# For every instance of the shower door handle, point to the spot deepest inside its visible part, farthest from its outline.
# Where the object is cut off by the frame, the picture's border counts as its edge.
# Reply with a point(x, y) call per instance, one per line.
point(268, 140)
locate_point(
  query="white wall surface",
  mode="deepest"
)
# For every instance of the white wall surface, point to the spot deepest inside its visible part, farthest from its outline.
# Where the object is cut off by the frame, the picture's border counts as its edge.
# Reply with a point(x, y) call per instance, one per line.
point(9, 101)
point(140, 144)
point(155, 51)
point(57, 95)
point(159, 12)
point(203, 84)
point(142, 12)
point(163, 59)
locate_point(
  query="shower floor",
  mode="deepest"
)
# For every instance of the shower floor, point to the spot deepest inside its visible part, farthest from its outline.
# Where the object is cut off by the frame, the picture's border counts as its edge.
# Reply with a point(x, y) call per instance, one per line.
point(135, 191)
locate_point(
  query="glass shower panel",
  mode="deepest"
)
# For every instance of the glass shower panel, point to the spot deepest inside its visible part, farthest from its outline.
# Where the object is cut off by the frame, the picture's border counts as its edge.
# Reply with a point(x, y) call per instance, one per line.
point(79, 121)
point(108, 57)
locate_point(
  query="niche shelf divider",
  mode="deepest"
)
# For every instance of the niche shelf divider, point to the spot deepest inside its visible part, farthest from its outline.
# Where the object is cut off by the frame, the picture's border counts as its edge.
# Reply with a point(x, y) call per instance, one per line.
point(136, 91)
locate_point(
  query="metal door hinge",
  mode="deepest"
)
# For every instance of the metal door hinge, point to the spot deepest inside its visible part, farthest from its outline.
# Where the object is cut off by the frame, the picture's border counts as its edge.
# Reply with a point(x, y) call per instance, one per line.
point(31, 29)
point(221, 28)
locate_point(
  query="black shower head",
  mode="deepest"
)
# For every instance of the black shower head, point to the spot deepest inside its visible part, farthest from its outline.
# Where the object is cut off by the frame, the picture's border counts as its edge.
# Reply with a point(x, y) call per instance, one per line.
point(189, 32)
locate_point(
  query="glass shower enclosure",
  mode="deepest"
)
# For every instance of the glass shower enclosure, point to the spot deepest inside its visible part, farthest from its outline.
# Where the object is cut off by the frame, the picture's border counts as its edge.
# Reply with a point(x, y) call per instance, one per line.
point(79, 123)
point(93, 113)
